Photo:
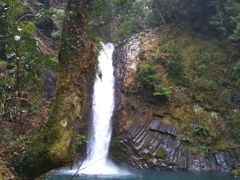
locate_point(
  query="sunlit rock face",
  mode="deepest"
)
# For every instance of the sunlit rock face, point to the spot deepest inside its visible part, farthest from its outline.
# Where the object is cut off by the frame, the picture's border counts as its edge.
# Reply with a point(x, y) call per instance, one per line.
point(157, 135)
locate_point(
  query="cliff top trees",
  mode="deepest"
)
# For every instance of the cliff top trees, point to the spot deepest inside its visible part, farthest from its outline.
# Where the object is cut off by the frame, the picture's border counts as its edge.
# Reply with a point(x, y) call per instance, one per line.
point(133, 16)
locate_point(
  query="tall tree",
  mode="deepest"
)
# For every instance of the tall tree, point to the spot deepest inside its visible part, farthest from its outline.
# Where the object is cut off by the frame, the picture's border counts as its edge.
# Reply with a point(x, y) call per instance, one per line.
point(53, 146)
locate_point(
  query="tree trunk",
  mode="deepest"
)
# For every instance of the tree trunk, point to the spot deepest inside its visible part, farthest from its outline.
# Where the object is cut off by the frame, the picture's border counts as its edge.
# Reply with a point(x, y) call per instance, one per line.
point(53, 146)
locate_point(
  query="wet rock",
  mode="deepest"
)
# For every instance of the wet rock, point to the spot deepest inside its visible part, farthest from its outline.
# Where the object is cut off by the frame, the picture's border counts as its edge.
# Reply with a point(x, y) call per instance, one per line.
point(157, 126)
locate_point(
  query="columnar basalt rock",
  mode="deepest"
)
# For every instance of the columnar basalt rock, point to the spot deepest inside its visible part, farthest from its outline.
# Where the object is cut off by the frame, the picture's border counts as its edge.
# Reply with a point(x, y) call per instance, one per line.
point(148, 134)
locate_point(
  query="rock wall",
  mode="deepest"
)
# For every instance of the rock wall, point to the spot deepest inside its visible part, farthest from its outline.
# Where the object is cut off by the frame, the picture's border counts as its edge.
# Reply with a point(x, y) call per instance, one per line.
point(150, 135)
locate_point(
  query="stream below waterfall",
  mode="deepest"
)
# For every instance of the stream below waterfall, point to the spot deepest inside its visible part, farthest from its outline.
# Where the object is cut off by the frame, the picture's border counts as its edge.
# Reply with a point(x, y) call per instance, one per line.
point(151, 175)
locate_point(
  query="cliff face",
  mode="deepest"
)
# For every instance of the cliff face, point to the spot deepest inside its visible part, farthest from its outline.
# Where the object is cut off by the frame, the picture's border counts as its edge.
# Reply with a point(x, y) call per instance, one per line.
point(176, 102)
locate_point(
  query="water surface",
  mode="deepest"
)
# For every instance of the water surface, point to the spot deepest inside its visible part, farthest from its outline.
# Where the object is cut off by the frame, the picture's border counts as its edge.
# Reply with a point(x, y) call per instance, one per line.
point(151, 175)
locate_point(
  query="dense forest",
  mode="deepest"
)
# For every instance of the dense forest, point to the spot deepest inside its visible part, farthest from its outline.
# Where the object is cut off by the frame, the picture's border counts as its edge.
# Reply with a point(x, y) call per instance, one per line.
point(186, 59)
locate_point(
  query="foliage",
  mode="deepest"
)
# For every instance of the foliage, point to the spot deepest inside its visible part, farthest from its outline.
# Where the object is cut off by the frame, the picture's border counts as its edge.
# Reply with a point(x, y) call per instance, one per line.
point(148, 80)
point(57, 15)
point(176, 73)
point(119, 150)
point(227, 18)
point(174, 64)
point(202, 138)
point(201, 132)
point(80, 140)
point(168, 11)
point(234, 124)
point(20, 61)
point(237, 66)
point(236, 172)
point(205, 84)
point(114, 20)
point(161, 153)
point(207, 67)
point(202, 56)
point(121, 19)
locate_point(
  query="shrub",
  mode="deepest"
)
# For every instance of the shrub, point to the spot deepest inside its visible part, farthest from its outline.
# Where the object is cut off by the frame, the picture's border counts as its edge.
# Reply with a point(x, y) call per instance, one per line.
point(202, 56)
point(174, 64)
point(206, 84)
point(201, 132)
point(176, 72)
point(201, 61)
point(234, 124)
point(161, 91)
point(161, 153)
point(170, 48)
point(148, 80)
point(237, 66)
point(202, 138)
point(147, 76)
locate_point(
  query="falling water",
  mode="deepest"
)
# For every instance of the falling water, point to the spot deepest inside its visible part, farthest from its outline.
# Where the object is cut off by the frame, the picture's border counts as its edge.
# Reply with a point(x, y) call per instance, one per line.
point(103, 106)
point(97, 162)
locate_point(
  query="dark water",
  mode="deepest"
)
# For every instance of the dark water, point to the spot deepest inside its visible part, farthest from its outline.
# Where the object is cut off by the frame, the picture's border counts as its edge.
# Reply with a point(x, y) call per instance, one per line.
point(151, 175)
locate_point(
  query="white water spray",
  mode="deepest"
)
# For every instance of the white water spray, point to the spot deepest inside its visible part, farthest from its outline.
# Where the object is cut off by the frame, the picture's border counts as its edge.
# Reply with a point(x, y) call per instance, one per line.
point(103, 106)
point(97, 162)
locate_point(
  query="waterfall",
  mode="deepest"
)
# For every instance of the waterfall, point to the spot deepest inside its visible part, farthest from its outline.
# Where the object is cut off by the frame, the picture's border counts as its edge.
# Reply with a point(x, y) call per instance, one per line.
point(103, 106)
point(97, 162)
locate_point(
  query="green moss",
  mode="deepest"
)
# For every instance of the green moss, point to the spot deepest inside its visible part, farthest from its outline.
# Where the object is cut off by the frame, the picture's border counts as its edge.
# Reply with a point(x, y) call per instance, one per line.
point(161, 153)
point(222, 145)
point(237, 66)
point(60, 148)
point(172, 61)
point(206, 84)
point(234, 123)
point(236, 172)
point(48, 149)
point(119, 151)
point(175, 71)
point(203, 139)
point(150, 82)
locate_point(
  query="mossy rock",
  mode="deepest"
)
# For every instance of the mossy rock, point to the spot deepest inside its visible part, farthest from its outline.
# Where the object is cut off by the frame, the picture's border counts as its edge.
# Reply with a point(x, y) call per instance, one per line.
point(118, 151)
point(161, 153)
point(236, 172)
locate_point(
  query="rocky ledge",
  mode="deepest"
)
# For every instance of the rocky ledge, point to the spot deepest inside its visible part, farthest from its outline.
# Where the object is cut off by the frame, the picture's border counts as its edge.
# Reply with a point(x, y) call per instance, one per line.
point(160, 148)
